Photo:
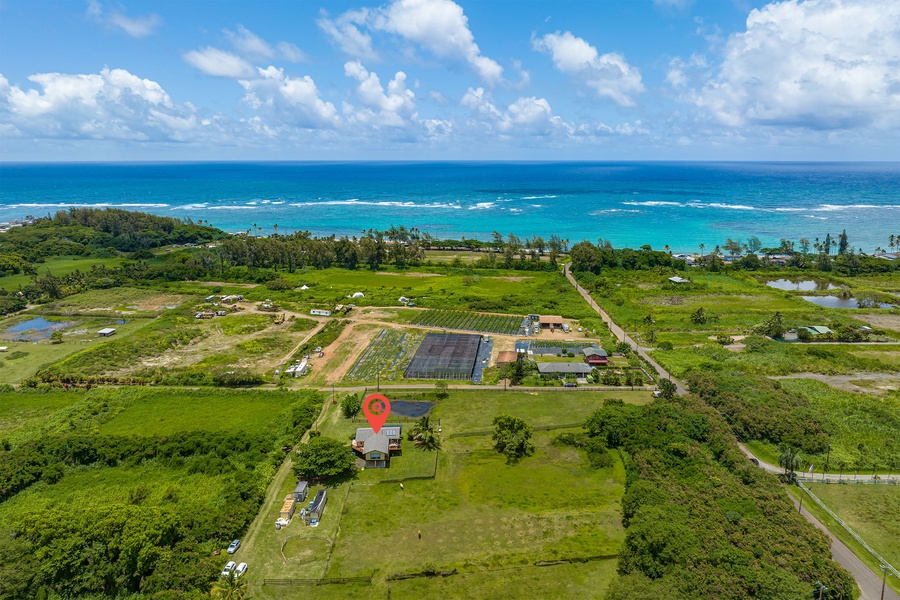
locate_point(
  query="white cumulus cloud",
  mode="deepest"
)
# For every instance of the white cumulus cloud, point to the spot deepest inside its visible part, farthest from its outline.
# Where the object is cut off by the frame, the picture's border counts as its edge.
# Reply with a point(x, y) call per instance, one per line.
point(818, 64)
point(438, 26)
point(608, 75)
point(251, 46)
point(526, 116)
point(111, 104)
point(134, 26)
point(393, 107)
point(219, 63)
point(347, 33)
point(294, 101)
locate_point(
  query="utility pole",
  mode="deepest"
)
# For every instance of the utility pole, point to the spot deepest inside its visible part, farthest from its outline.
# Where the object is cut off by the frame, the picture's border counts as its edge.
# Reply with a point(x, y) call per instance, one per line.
point(822, 589)
point(883, 579)
point(800, 509)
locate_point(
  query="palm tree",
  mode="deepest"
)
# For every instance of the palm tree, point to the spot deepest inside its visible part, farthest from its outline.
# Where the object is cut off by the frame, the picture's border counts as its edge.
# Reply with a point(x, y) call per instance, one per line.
point(423, 434)
point(229, 588)
point(789, 460)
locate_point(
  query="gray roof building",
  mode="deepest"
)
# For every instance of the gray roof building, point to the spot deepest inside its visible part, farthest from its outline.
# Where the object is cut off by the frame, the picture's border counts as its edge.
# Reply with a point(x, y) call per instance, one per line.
point(563, 368)
point(389, 431)
point(592, 351)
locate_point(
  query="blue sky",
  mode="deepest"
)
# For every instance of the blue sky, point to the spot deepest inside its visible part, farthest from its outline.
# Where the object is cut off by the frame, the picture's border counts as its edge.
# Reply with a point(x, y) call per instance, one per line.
point(438, 79)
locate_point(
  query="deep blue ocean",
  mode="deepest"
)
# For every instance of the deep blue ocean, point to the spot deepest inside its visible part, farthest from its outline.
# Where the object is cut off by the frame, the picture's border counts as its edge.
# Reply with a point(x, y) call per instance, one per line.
point(630, 204)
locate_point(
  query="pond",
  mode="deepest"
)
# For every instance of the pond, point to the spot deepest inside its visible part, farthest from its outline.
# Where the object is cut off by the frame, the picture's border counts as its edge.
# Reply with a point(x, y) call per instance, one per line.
point(36, 329)
point(404, 408)
point(837, 302)
point(801, 285)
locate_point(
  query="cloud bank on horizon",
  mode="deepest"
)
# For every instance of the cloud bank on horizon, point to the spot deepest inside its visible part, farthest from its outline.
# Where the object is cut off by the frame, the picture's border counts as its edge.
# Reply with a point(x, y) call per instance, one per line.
point(415, 79)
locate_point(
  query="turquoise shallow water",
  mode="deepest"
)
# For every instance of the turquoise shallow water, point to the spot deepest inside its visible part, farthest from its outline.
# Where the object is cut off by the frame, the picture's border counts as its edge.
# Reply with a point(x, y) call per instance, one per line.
point(677, 204)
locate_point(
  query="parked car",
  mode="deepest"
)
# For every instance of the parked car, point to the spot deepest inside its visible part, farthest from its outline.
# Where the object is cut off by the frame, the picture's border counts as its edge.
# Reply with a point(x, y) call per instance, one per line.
point(241, 569)
point(232, 548)
point(657, 394)
point(754, 461)
point(570, 384)
point(229, 567)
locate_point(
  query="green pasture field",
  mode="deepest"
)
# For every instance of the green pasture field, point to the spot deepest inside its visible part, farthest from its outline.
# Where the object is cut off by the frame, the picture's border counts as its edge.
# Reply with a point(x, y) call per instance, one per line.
point(24, 359)
point(477, 515)
point(164, 411)
point(777, 358)
point(23, 414)
point(59, 266)
point(242, 324)
point(859, 505)
point(888, 354)
point(872, 511)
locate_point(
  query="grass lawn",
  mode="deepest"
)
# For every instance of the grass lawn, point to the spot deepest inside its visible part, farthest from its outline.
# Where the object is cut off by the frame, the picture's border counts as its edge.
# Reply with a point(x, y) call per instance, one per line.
point(59, 266)
point(477, 515)
point(859, 505)
point(872, 511)
point(163, 411)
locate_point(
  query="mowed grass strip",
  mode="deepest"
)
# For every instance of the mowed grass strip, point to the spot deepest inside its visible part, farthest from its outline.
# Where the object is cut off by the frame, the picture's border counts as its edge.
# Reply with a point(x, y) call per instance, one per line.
point(480, 512)
point(872, 511)
point(166, 411)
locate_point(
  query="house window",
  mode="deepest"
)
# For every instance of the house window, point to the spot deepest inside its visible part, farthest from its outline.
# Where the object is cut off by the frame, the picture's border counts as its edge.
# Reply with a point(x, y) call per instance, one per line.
point(374, 456)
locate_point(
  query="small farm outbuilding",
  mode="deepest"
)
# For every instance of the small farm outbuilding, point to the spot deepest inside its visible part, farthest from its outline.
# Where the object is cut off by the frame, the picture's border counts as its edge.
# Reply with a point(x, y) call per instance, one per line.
point(320, 313)
point(318, 506)
point(679, 280)
point(301, 491)
point(106, 332)
point(551, 322)
point(817, 330)
point(287, 509)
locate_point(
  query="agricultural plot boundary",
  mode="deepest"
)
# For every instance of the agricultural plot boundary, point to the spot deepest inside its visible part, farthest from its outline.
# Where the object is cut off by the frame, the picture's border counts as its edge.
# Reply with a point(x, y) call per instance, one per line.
point(469, 321)
point(387, 355)
point(847, 528)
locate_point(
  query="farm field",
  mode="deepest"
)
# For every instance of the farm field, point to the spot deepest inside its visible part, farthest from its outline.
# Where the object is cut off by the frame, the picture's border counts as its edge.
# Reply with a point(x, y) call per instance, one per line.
point(469, 321)
point(386, 357)
point(479, 514)
point(125, 301)
point(22, 416)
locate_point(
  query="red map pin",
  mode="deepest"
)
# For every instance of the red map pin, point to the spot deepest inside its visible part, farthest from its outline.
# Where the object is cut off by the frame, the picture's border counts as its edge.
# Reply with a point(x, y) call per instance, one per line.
point(376, 408)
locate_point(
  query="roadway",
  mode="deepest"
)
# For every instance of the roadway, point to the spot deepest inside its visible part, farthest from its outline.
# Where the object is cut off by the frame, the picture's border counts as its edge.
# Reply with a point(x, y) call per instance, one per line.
point(869, 583)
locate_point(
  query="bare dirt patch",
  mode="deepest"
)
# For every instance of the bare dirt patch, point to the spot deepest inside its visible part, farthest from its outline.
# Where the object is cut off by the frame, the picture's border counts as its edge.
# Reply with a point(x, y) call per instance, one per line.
point(225, 283)
point(161, 301)
point(512, 277)
point(881, 321)
point(410, 274)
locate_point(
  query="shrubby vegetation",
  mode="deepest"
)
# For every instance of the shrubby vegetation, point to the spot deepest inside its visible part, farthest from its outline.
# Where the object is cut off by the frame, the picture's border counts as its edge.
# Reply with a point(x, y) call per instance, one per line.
point(702, 521)
point(159, 541)
point(757, 408)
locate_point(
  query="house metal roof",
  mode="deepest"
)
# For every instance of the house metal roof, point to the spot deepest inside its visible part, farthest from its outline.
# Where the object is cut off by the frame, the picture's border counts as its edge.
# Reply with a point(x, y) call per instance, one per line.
point(392, 432)
point(677, 279)
point(594, 352)
point(377, 443)
point(563, 367)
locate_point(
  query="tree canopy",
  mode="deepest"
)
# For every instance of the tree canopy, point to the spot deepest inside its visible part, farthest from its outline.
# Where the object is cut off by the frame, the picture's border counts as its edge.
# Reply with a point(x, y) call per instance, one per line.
point(324, 459)
point(512, 437)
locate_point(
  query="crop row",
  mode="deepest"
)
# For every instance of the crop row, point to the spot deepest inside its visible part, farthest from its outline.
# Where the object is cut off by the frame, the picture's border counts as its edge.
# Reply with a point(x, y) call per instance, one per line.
point(389, 354)
point(468, 321)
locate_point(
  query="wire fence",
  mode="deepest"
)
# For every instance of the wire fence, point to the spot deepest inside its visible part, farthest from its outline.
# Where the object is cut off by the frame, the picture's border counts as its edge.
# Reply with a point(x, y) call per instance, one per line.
point(848, 529)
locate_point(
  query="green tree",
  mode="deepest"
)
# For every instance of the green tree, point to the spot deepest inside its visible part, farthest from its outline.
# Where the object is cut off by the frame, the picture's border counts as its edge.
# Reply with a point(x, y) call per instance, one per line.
point(324, 459)
point(56, 337)
point(773, 327)
point(424, 434)
point(512, 437)
point(667, 388)
point(351, 405)
point(229, 588)
point(441, 388)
